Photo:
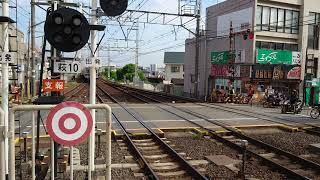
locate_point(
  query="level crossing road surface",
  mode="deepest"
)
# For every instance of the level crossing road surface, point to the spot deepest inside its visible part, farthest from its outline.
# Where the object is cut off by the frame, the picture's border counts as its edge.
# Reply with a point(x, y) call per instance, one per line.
point(158, 118)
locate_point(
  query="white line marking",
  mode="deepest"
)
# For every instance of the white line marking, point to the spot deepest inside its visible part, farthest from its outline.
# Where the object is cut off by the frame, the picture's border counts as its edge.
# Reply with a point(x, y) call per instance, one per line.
point(303, 115)
point(182, 120)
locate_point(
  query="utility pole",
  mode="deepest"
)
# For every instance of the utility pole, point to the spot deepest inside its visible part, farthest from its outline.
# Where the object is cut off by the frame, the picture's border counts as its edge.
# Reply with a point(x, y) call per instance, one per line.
point(93, 74)
point(28, 65)
point(5, 78)
point(231, 54)
point(109, 62)
point(136, 77)
point(33, 43)
point(196, 73)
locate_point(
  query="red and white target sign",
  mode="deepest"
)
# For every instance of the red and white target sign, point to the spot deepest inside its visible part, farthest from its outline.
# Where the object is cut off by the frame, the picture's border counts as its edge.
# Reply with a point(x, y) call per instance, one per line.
point(69, 123)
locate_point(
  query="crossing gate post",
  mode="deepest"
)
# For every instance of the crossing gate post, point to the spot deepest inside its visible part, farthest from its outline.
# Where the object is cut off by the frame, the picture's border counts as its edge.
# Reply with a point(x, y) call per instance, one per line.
point(33, 108)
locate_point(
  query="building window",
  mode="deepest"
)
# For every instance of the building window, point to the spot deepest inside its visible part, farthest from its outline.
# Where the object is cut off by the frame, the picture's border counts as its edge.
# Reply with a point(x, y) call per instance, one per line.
point(265, 45)
point(276, 46)
point(175, 69)
point(273, 19)
point(258, 44)
point(280, 27)
point(265, 18)
point(277, 20)
point(295, 22)
point(279, 46)
point(313, 31)
point(288, 21)
point(259, 18)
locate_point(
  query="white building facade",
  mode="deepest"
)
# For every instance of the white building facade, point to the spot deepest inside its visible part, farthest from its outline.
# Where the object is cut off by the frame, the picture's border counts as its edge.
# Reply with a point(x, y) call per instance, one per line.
point(174, 65)
point(276, 43)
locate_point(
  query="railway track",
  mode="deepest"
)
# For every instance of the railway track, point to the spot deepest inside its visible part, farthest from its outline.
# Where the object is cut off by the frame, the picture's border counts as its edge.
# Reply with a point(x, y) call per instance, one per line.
point(154, 155)
point(80, 91)
point(307, 127)
point(294, 166)
point(156, 95)
point(311, 129)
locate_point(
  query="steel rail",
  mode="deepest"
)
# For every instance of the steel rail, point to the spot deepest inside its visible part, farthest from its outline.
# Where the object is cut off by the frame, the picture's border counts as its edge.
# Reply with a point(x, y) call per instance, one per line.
point(134, 149)
point(188, 99)
point(193, 172)
point(72, 89)
point(75, 91)
point(300, 125)
point(251, 140)
point(310, 131)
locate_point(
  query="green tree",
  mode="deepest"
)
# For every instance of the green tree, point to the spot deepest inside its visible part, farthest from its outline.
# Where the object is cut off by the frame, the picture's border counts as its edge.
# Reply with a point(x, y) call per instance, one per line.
point(120, 75)
point(141, 76)
point(127, 72)
point(113, 74)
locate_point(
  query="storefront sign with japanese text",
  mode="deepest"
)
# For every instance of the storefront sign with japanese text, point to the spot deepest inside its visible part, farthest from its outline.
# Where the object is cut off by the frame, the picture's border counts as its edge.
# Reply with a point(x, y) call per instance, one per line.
point(265, 56)
point(52, 85)
point(278, 72)
point(262, 72)
point(220, 70)
point(220, 57)
point(294, 73)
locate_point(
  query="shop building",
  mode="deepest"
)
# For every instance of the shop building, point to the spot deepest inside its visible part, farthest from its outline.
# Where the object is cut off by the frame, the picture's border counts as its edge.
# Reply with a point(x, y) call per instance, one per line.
point(274, 43)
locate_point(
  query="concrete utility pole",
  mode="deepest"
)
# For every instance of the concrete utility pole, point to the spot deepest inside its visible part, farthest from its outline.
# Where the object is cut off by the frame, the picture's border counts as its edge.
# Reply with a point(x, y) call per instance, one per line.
point(231, 54)
point(196, 67)
point(109, 62)
point(93, 75)
point(136, 77)
point(5, 77)
point(33, 43)
point(28, 65)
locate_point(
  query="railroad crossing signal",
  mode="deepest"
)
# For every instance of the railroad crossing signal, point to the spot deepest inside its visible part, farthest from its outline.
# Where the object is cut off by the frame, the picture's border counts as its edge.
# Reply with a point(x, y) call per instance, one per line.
point(67, 29)
point(113, 7)
point(69, 123)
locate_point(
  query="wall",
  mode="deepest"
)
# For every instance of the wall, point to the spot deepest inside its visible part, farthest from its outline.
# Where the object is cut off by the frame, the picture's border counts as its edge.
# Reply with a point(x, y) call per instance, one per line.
point(169, 75)
point(215, 43)
point(189, 66)
point(224, 8)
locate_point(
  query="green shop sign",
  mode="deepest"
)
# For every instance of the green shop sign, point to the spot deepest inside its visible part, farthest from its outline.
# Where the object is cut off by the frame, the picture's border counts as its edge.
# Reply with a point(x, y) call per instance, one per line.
point(265, 56)
point(220, 57)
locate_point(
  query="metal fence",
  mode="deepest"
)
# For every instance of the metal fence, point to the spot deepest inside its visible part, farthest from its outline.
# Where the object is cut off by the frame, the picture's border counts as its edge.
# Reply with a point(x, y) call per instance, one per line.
point(34, 108)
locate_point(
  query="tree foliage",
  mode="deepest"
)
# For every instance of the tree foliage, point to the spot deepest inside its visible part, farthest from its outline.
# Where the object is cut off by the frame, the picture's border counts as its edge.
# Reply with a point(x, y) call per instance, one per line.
point(125, 73)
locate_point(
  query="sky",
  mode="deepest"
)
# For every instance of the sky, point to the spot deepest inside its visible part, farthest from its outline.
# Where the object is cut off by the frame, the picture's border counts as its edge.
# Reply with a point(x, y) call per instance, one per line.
point(154, 40)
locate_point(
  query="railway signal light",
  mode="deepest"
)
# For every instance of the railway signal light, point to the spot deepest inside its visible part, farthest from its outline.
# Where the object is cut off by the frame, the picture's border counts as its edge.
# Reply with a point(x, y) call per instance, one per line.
point(247, 35)
point(113, 7)
point(67, 29)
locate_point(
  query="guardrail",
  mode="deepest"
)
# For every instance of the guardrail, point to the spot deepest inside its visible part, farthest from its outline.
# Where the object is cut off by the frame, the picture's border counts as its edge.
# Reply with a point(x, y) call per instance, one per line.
point(33, 109)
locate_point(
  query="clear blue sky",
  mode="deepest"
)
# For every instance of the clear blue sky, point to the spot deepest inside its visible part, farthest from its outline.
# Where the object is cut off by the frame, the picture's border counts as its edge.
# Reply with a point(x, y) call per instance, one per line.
point(155, 39)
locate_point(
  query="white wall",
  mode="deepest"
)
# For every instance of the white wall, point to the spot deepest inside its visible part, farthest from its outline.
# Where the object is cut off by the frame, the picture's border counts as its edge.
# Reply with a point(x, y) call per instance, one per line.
point(169, 75)
point(238, 19)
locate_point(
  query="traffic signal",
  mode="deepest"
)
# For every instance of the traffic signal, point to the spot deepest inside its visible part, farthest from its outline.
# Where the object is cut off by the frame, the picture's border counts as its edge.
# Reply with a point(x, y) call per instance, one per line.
point(67, 30)
point(113, 7)
point(246, 34)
